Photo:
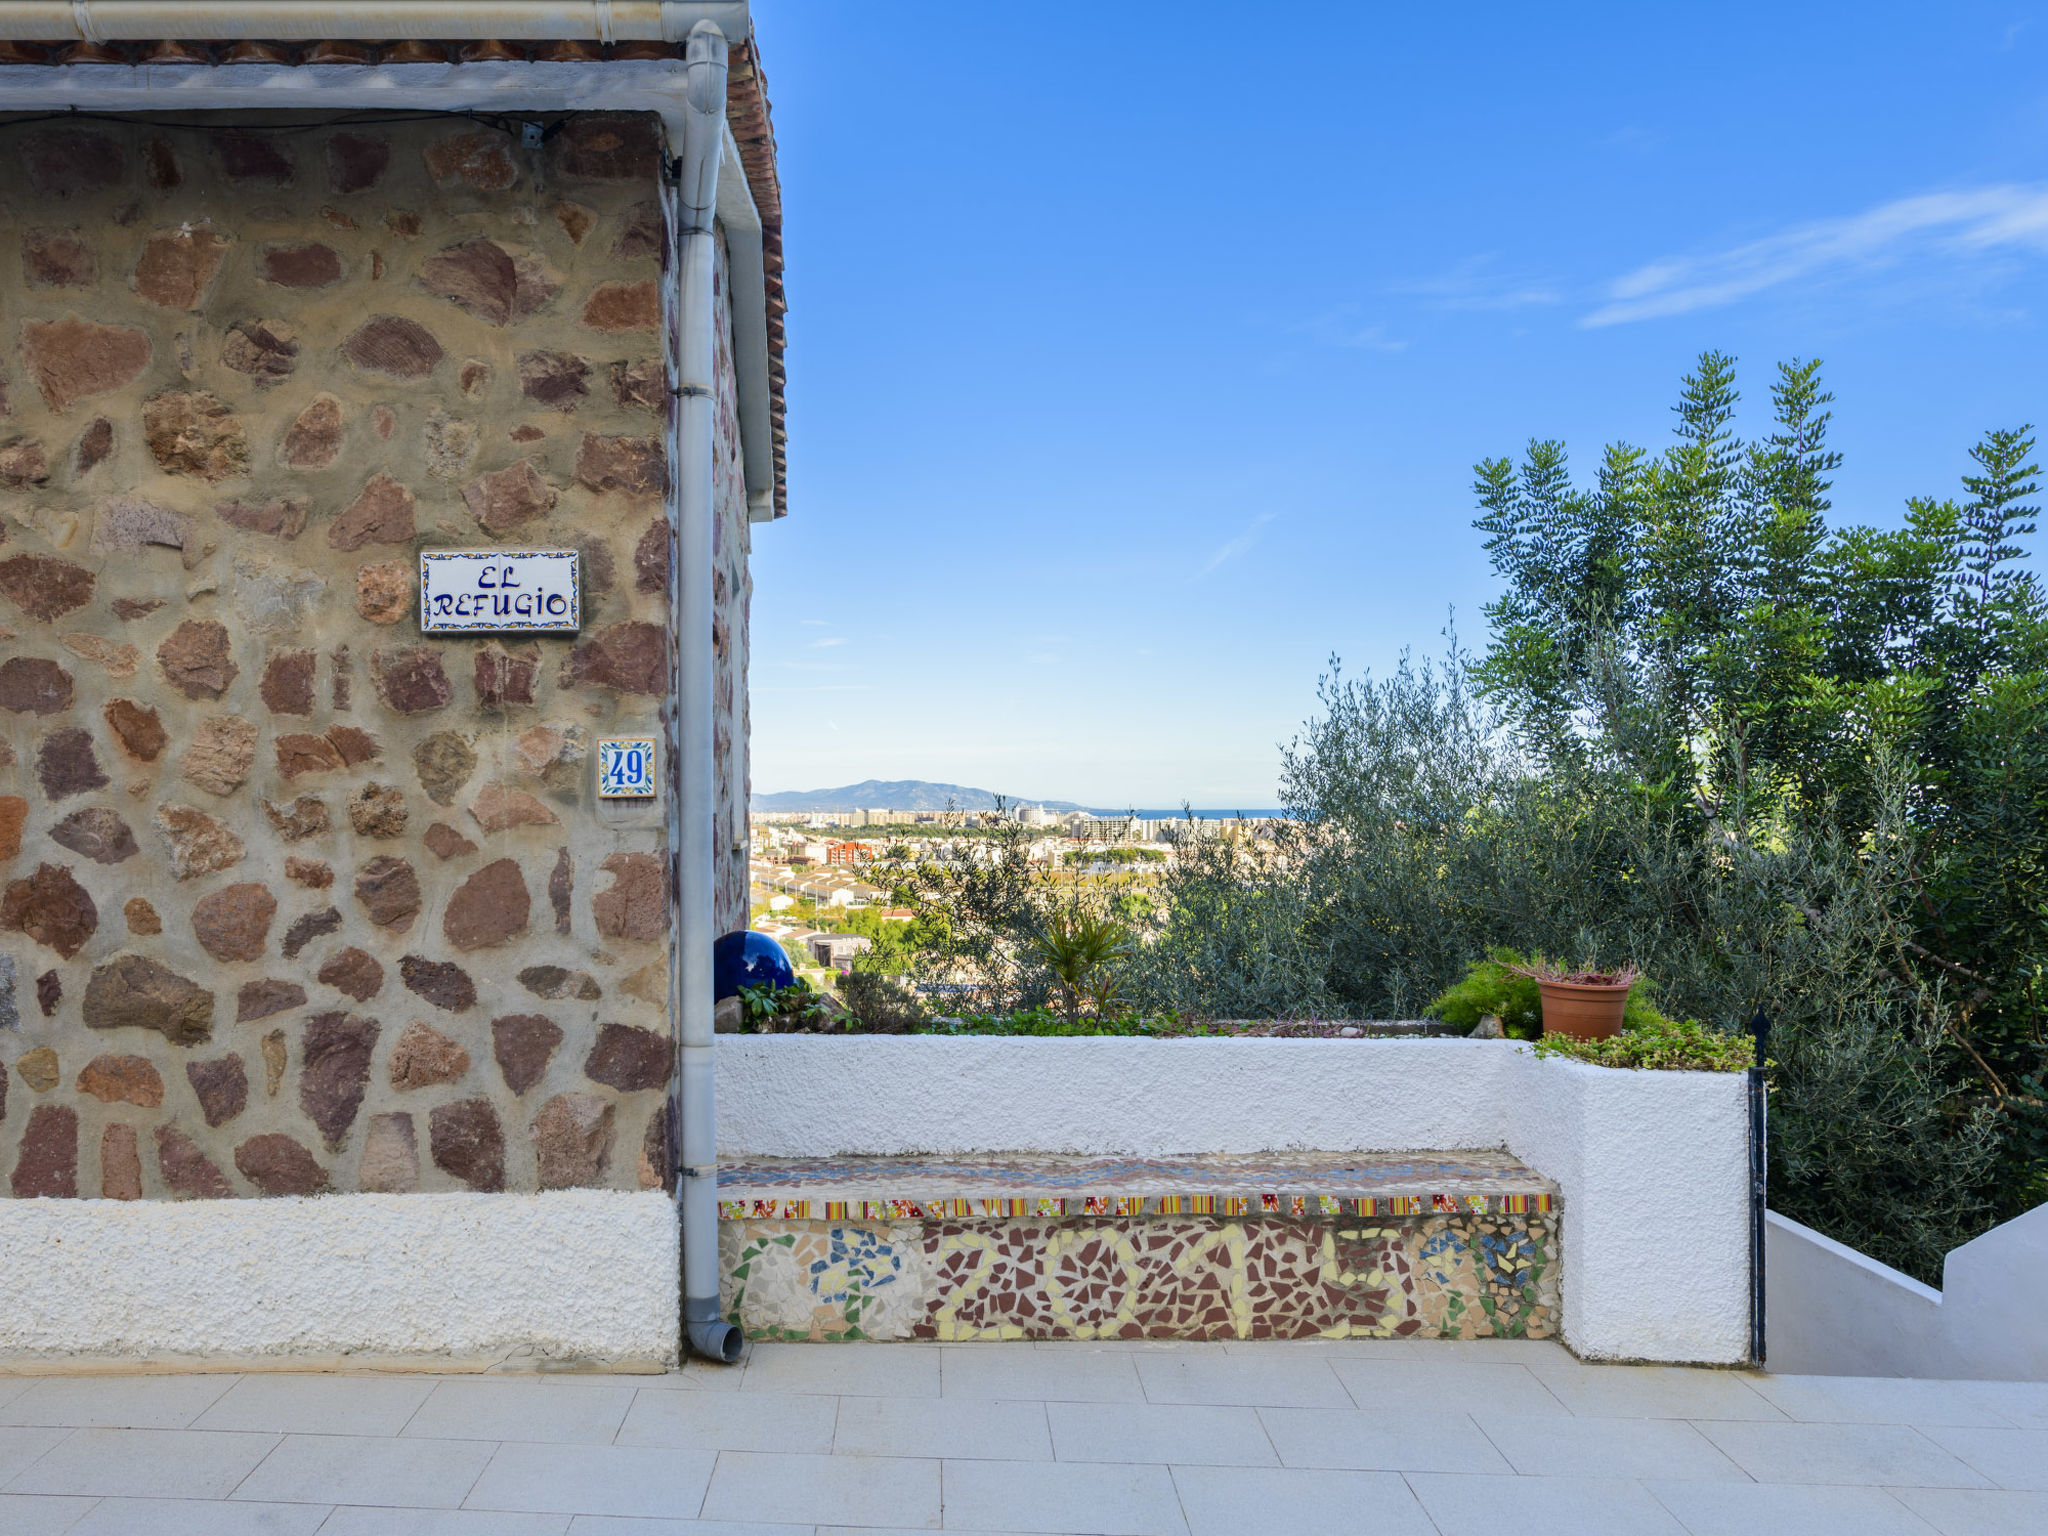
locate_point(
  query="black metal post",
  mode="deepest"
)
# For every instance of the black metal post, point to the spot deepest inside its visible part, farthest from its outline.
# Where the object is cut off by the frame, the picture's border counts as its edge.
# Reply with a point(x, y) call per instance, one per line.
point(1759, 1182)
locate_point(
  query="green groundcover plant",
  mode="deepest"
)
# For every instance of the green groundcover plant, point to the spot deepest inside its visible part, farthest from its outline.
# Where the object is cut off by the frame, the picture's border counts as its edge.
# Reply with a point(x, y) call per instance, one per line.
point(1659, 1044)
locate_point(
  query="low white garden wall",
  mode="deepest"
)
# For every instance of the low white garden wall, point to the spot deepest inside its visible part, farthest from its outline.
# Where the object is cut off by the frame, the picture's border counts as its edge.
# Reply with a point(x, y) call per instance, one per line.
point(466, 1279)
point(1835, 1312)
point(1653, 1166)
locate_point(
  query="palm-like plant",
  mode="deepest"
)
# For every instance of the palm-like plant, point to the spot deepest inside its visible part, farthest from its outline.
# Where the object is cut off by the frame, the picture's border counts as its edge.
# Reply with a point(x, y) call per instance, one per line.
point(1082, 950)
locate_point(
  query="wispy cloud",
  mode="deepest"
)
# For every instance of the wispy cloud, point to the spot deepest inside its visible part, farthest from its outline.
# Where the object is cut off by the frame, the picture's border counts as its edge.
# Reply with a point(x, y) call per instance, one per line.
point(1238, 545)
point(1346, 326)
point(830, 640)
point(1946, 224)
point(1473, 284)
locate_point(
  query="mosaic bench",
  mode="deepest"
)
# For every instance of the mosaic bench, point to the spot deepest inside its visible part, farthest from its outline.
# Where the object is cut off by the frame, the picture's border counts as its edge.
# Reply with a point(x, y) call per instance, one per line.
point(1333, 1245)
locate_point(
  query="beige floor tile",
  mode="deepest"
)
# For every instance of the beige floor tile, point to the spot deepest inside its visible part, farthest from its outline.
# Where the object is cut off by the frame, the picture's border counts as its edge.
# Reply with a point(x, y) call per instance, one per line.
point(594, 1480)
point(1494, 1351)
point(355, 1469)
point(521, 1410)
point(1543, 1506)
point(609, 1525)
point(146, 1464)
point(702, 1376)
point(20, 1448)
point(1266, 1382)
point(1233, 1501)
point(1785, 1509)
point(1070, 1376)
point(1880, 1400)
point(1397, 1387)
point(1874, 1455)
point(731, 1421)
point(1078, 1497)
point(844, 1370)
point(318, 1405)
point(1549, 1446)
point(959, 1427)
point(1119, 1346)
point(854, 1490)
point(361, 1520)
point(1185, 1433)
point(117, 1402)
point(1974, 1512)
point(1655, 1391)
point(1344, 1349)
point(2011, 1458)
point(198, 1517)
point(41, 1515)
point(2023, 1404)
point(1353, 1440)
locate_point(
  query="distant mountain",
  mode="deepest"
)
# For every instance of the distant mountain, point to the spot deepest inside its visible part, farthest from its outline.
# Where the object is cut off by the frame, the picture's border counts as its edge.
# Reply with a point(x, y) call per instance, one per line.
point(896, 795)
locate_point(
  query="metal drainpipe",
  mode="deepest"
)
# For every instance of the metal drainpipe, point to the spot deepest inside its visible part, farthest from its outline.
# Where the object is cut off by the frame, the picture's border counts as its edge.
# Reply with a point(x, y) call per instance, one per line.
point(691, 855)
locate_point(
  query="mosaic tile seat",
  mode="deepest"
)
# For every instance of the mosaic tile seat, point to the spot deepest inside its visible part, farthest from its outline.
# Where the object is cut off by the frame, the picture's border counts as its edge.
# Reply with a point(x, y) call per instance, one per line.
point(1406, 1245)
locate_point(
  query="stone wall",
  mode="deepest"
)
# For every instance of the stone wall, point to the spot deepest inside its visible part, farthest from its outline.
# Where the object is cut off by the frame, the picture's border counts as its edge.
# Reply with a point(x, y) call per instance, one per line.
point(293, 898)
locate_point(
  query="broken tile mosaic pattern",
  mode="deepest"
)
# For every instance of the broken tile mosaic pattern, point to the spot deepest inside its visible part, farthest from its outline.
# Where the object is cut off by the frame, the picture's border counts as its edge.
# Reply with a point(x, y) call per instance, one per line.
point(1416, 1246)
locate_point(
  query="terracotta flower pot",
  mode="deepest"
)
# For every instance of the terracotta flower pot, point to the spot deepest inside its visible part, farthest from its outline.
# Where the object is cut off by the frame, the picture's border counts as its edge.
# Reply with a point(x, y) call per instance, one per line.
point(1583, 1012)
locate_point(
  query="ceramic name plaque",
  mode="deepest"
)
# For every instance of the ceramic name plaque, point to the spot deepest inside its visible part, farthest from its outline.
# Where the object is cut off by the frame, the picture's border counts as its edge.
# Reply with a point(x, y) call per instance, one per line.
point(499, 589)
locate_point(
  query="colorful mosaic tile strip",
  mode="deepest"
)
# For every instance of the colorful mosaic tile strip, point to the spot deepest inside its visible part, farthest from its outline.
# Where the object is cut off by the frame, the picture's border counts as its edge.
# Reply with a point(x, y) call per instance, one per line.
point(1021, 1174)
point(1297, 1207)
point(1464, 1275)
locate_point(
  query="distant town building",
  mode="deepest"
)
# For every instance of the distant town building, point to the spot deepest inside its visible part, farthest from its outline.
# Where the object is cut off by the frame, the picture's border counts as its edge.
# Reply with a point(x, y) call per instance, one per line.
point(836, 949)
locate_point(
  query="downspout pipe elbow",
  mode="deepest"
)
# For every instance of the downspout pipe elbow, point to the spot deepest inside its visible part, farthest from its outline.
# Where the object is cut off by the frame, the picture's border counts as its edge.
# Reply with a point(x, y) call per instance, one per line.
point(711, 1337)
point(704, 80)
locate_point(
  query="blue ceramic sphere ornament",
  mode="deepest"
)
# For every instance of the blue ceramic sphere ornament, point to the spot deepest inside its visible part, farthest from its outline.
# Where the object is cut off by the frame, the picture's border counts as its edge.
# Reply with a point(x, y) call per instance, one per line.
point(747, 959)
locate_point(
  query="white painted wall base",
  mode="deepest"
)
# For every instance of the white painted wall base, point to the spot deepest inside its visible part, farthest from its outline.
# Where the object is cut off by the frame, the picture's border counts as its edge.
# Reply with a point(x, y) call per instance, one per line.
point(1653, 1165)
point(1831, 1311)
point(572, 1275)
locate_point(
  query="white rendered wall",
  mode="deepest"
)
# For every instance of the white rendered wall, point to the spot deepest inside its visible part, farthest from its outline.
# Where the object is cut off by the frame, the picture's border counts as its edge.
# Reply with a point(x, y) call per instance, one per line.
point(1833, 1311)
point(881, 1095)
point(1655, 1239)
point(572, 1274)
point(1653, 1166)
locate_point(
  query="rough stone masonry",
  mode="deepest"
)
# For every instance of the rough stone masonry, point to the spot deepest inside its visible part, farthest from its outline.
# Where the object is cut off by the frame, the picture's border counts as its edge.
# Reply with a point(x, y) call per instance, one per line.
point(294, 899)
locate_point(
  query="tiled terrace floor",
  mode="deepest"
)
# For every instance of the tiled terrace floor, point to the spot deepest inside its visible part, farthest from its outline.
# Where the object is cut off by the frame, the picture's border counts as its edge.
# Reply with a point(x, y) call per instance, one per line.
point(1360, 1437)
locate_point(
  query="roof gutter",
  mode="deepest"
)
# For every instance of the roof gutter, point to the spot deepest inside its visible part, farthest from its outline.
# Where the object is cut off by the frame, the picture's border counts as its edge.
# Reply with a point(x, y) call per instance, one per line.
point(604, 21)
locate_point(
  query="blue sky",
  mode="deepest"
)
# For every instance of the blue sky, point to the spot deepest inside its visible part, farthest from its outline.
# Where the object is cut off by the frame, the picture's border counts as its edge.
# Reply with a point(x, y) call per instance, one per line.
point(1137, 366)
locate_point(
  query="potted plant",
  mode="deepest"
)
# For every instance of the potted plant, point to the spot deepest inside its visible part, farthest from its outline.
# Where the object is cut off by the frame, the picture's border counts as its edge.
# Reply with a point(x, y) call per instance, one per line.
point(1587, 1005)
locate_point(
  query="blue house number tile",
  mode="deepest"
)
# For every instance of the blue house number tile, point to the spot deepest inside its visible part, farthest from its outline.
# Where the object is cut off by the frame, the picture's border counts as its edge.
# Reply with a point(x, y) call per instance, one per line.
point(626, 767)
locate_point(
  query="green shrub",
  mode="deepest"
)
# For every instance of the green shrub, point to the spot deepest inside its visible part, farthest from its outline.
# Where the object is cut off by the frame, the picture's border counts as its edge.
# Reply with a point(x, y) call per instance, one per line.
point(884, 1005)
point(798, 1008)
point(1660, 1045)
point(1491, 986)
